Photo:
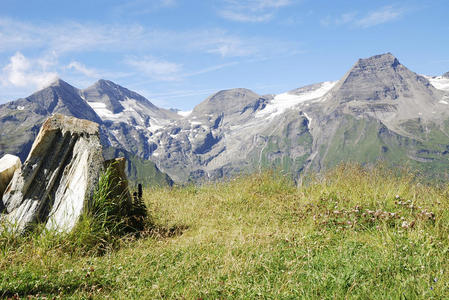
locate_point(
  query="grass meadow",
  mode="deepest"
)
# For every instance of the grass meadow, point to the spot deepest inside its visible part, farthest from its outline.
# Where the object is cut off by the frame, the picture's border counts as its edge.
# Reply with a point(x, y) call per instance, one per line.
point(351, 233)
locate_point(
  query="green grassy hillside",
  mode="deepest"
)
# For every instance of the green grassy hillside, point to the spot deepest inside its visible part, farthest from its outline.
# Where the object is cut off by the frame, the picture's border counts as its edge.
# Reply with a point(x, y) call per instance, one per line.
point(351, 233)
point(369, 141)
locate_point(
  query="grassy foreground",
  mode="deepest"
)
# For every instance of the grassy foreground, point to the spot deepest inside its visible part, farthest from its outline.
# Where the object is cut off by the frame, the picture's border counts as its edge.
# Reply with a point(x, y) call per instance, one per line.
point(353, 233)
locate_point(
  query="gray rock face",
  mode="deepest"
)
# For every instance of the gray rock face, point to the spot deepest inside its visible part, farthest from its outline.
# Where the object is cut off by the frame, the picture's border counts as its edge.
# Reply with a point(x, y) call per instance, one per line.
point(378, 78)
point(220, 138)
point(446, 75)
point(380, 86)
point(128, 118)
point(229, 102)
point(8, 165)
point(112, 95)
point(57, 181)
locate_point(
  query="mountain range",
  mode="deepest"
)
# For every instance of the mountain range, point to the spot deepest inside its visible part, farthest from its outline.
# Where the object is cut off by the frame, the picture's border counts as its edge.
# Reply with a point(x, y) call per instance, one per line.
point(379, 110)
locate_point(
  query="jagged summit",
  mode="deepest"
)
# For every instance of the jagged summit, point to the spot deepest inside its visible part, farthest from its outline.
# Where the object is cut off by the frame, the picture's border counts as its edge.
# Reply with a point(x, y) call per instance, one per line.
point(446, 75)
point(377, 62)
point(380, 78)
point(112, 96)
point(60, 97)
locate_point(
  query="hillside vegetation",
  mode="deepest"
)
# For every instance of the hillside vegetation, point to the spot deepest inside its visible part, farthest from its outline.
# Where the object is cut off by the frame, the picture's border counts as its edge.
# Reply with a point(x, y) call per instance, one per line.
point(354, 232)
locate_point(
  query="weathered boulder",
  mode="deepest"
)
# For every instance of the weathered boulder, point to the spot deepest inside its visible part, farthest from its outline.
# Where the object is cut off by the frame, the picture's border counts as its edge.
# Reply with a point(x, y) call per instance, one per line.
point(8, 164)
point(58, 179)
point(129, 212)
point(118, 180)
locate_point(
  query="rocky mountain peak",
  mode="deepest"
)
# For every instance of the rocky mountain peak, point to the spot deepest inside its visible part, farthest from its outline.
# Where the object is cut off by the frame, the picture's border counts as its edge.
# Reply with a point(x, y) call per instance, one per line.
point(103, 84)
point(378, 62)
point(227, 101)
point(59, 97)
point(61, 84)
point(378, 78)
point(226, 94)
point(446, 75)
point(112, 95)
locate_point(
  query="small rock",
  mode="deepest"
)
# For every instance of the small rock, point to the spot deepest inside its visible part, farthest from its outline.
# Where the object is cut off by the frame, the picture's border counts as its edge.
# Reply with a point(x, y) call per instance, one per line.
point(8, 165)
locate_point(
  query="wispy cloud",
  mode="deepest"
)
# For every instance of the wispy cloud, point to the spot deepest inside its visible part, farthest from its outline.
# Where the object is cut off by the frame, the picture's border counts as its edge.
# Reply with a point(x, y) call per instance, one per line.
point(383, 15)
point(24, 72)
point(81, 68)
point(211, 69)
point(17, 35)
point(252, 10)
point(156, 69)
point(142, 7)
point(376, 17)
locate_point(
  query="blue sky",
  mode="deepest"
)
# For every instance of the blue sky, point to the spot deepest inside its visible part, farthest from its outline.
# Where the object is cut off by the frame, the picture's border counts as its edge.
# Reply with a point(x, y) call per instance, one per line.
point(178, 52)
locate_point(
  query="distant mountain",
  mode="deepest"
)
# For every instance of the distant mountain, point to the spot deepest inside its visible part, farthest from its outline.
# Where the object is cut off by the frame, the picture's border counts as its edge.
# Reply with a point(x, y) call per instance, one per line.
point(115, 103)
point(446, 75)
point(129, 119)
point(379, 110)
point(382, 110)
point(20, 120)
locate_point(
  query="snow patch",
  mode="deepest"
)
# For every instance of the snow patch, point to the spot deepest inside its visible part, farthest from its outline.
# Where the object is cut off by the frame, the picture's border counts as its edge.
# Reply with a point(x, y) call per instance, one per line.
point(134, 113)
point(443, 102)
point(101, 110)
point(284, 101)
point(184, 113)
point(20, 107)
point(439, 82)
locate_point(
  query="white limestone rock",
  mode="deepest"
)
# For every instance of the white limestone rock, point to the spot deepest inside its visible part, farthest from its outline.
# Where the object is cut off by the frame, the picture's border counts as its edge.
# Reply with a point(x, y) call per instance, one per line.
point(57, 181)
point(8, 165)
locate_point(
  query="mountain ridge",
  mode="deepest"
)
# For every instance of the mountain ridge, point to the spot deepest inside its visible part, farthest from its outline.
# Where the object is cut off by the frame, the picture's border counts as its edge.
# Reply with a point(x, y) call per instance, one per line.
point(378, 110)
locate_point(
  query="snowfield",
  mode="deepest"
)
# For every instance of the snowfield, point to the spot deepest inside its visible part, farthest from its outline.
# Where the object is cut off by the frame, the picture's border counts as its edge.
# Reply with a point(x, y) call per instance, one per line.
point(439, 82)
point(284, 101)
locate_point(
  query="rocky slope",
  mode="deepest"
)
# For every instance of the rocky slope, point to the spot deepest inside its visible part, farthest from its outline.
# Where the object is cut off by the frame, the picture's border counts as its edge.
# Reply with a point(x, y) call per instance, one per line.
point(21, 120)
point(378, 110)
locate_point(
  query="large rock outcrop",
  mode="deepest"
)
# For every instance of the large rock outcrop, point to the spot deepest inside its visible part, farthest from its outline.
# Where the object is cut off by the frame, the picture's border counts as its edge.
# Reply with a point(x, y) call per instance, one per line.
point(8, 165)
point(58, 179)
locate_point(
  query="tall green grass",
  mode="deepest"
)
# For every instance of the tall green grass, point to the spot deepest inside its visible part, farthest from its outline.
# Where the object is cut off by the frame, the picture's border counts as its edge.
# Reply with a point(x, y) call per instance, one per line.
point(354, 232)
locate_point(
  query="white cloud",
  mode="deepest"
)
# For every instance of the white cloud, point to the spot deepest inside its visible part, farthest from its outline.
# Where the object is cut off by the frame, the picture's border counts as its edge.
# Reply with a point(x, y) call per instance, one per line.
point(156, 69)
point(380, 16)
point(23, 72)
point(252, 10)
point(16, 35)
point(383, 15)
point(81, 68)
